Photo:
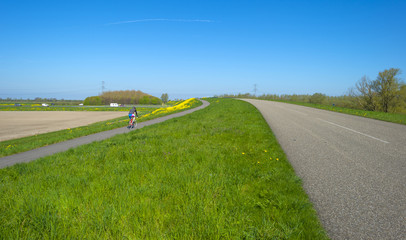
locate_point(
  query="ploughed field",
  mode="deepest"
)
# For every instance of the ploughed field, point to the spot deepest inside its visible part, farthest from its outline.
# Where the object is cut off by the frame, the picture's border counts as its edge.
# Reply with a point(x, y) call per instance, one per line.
point(17, 124)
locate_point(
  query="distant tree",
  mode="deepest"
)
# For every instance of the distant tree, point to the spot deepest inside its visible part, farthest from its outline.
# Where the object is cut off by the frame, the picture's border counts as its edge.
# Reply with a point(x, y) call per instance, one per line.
point(387, 86)
point(164, 97)
point(145, 100)
point(402, 98)
point(155, 101)
point(95, 100)
point(317, 98)
point(399, 102)
point(128, 97)
point(365, 94)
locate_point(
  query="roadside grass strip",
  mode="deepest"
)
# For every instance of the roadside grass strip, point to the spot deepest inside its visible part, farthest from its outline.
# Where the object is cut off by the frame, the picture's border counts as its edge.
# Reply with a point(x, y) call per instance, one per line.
point(216, 173)
point(383, 116)
point(14, 146)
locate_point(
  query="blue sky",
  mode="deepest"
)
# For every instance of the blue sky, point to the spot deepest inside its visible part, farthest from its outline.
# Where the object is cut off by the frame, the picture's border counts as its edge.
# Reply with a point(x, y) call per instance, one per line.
point(65, 49)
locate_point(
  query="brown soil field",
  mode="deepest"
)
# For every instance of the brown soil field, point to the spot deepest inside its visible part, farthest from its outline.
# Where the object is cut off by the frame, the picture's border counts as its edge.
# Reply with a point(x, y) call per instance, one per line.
point(15, 124)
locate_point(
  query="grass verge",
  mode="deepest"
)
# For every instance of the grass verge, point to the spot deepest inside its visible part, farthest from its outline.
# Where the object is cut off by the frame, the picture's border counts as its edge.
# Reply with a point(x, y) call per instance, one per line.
point(14, 146)
point(388, 117)
point(216, 173)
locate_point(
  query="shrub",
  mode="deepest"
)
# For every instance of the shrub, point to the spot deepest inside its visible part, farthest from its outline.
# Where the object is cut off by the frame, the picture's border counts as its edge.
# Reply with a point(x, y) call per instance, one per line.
point(317, 98)
point(95, 100)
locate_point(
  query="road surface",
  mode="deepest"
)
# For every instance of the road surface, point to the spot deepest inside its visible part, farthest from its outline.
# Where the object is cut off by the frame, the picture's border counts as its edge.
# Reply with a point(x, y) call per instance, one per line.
point(353, 168)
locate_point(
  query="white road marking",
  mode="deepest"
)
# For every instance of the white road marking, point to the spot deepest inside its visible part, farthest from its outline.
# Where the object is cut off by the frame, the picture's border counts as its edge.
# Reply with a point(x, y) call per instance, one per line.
point(352, 130)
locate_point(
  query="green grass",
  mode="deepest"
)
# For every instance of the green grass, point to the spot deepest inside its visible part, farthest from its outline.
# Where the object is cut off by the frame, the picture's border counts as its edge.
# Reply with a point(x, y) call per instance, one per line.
point(14, 146)
point(388, 117)
point(218, 173)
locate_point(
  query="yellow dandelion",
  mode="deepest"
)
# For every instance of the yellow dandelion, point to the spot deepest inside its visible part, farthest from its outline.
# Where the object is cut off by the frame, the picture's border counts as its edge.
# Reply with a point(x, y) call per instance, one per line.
point(243, 153)
point(265, 150)
point(277, 159)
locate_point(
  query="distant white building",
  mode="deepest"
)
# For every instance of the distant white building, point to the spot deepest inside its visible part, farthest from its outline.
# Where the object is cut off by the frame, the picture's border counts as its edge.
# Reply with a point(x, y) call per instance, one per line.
point(45, 105)
point(113, 104)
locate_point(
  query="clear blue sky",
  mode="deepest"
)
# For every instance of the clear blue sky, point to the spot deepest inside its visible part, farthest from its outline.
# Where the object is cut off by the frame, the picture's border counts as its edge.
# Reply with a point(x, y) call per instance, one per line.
point(65, 49)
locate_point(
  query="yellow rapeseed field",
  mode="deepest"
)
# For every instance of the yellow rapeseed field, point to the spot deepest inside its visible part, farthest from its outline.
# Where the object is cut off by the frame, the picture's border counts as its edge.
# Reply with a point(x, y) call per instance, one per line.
point(185, 104)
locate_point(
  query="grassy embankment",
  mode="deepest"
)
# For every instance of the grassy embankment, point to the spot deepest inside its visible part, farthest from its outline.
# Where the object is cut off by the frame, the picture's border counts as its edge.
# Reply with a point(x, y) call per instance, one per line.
point(216, 173)
point(14, 146)
point(388, 117)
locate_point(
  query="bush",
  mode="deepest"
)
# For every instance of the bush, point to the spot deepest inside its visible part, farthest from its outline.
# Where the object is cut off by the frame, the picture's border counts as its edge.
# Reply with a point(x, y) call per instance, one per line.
point(317, 98)
point(144, 100)
point(156, 101)
point(129, 97)
point(95, 100)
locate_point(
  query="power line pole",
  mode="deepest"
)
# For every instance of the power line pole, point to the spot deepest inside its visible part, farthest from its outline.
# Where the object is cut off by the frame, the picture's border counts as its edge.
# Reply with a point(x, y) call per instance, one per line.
point(255, 90)
point(103, 87)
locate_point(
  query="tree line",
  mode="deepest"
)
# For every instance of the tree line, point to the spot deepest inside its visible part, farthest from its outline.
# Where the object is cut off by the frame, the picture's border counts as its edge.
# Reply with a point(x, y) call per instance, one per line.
point(387, 93)
point(122, 97)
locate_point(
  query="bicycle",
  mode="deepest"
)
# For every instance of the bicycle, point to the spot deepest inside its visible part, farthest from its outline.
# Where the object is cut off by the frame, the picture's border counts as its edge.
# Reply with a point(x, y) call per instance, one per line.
point(132, 123)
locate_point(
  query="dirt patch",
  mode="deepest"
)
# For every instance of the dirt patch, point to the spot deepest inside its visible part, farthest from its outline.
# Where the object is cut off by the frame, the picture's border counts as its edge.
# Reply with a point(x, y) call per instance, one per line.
point(15, 124)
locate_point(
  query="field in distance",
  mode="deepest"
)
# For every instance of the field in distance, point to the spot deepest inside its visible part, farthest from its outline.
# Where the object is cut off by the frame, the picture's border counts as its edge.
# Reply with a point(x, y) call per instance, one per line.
point(17, 124)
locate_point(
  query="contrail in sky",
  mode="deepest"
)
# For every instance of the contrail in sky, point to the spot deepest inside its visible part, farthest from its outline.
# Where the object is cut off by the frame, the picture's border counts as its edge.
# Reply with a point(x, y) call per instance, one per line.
point(161, 20)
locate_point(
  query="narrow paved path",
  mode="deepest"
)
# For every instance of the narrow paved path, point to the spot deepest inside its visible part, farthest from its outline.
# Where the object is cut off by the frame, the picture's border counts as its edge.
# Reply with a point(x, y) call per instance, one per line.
point(63, 146)
point(353, 168)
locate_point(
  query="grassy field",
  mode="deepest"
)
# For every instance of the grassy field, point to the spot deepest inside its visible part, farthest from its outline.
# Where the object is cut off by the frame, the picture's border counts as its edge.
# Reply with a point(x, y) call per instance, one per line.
point(218, 173)
point(14, 146)
point(388, 117)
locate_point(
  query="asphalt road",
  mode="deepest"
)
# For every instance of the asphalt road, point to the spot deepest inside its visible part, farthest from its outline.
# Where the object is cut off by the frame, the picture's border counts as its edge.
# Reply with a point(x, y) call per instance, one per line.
point(353, 168)
point(64, 146)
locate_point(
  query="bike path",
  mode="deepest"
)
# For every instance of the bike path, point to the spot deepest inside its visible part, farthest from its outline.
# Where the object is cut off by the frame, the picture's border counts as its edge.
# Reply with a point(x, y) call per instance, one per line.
point(66, 145)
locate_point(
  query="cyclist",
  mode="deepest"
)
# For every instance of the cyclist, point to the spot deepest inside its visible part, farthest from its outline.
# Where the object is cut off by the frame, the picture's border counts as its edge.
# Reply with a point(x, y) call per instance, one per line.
point(131, 114)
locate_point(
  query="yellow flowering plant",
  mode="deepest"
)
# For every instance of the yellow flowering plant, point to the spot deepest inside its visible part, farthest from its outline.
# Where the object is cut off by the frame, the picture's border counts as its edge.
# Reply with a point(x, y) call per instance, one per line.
point(183, 105)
